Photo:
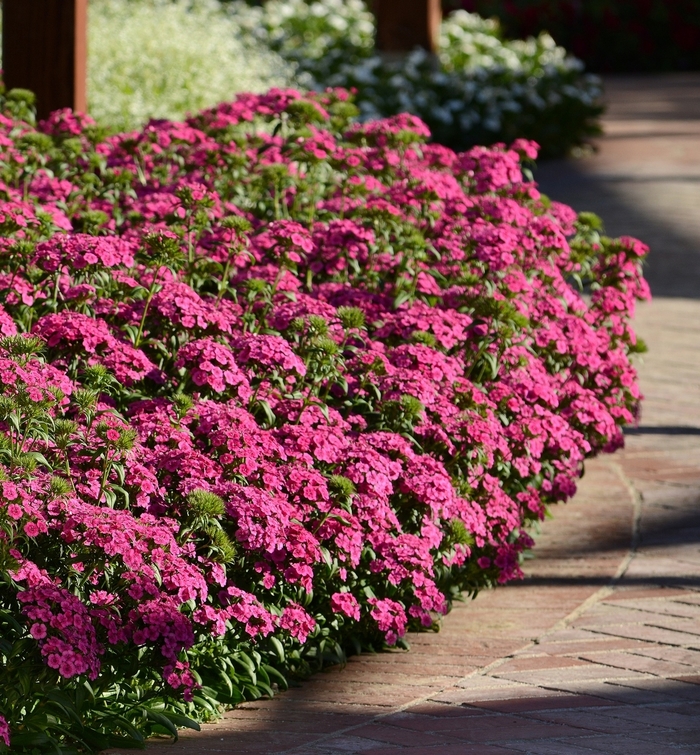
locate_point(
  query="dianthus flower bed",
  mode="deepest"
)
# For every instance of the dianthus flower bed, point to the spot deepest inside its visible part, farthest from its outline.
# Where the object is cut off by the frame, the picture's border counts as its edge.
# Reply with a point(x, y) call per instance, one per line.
point(275, 385)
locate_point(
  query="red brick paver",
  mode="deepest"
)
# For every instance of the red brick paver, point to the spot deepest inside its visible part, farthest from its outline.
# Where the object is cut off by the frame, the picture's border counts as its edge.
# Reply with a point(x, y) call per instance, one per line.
point(598, 650)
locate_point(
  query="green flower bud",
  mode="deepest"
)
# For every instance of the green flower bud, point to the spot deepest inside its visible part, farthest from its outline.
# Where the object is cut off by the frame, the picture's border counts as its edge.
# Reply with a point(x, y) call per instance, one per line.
point(236, 223)
point(21, 346)
point(351, 317)
point(325, 345)
point(85, 398)
point(204, 503)
point(318, 325)
point(341, 486)
point(227, 550)
point(424, 337)
point(411, 406)
point(58, 486)
point(459, 533)
point(183, 403)
point(63, 427)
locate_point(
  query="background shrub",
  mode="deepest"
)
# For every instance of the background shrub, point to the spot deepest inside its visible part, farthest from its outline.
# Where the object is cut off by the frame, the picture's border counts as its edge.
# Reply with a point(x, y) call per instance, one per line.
point(609, 35)
point(482, 89)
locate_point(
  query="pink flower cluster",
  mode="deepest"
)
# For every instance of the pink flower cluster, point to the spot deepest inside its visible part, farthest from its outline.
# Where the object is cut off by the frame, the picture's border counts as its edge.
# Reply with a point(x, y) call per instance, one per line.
point(314, 379)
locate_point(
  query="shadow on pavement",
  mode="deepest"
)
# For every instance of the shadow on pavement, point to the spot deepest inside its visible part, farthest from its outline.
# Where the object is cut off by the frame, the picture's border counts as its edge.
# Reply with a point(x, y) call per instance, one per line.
point(662, 430)
point(673, 266)
point(633, 715)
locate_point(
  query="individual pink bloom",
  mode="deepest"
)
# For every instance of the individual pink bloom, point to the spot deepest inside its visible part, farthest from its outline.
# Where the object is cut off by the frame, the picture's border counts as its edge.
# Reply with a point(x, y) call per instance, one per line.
point(346, 603)
point(65, 122)
point(266, 351)
point(391, 618)
point(4, 731)
point(297, 622)
point(9, 491)
point(78, 251)
point(78, 332)
point(212, 364)
point(7, 324)
point(38, 631)
point(14, 511)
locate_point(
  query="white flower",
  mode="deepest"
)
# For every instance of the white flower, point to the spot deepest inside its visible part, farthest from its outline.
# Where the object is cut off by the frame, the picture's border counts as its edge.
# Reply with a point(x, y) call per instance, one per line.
point(165, 58)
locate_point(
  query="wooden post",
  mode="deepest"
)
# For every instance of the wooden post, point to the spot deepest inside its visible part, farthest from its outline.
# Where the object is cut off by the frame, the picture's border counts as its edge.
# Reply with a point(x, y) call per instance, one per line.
point(44, 48)
point(405, 24)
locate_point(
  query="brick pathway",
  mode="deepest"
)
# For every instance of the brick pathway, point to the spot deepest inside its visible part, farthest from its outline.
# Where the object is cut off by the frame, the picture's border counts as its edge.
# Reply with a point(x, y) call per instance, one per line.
point(598, 650)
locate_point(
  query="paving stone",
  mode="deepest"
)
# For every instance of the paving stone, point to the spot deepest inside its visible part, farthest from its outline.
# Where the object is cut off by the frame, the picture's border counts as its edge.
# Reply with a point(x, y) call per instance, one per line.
point(652, 634)
point(489, 682)
point(674, 623)
point(398, 735)
point(593, 721)
point(421, 723)
point(620, 692)
point(639, 663)
point(466, 695)
point(455, 749)
point(659, 609)
point(689, 597)
point(536, 662)
point(570, 635)
point(546, 703)
point(653, 593)
point(599, 644)
point(348, 744)
point(433, 710)
point(694, 679)
point(605, 614)
point(588, 672)
point(549, 747)
point(649, 715)
point(608, 744)
point(498, 728)
point(656, 689)
point(683, 737)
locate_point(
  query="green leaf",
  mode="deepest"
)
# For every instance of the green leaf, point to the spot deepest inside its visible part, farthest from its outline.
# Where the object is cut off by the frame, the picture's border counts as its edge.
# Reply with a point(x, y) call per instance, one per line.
point(279, 648)
point(400, 298)
point(30, 739)
point(129, 728)
point(273, 672)
point(183, 721)
point(265, 688)
point(164, 721)
point(98, 740)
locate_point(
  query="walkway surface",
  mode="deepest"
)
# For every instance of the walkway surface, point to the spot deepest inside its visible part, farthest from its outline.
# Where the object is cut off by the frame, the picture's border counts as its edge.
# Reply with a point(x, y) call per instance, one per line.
point(598, 649)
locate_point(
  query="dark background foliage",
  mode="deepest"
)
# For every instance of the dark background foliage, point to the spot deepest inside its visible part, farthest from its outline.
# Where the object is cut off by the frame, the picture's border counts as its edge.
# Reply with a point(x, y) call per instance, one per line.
point(608, 35)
